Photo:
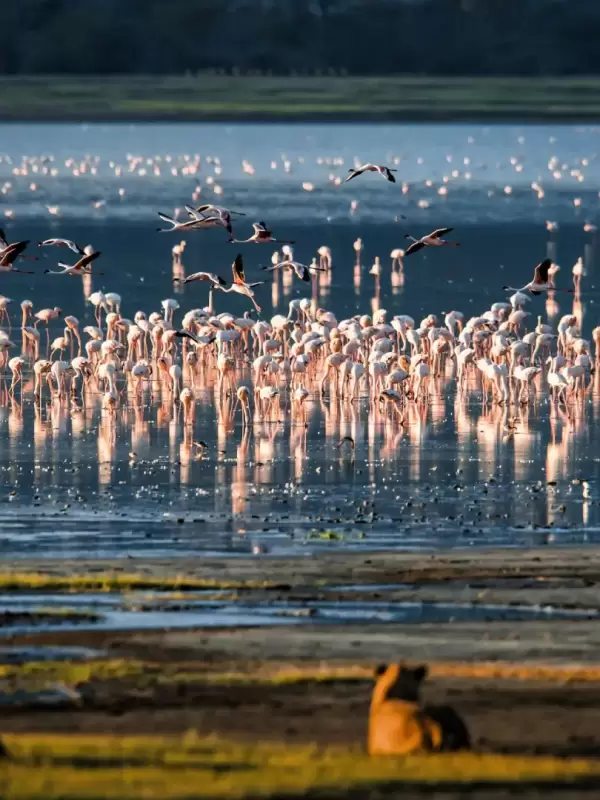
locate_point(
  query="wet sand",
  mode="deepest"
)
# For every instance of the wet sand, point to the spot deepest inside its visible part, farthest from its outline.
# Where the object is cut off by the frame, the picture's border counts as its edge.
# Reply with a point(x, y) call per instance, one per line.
point(375, 567)
point(566, 577)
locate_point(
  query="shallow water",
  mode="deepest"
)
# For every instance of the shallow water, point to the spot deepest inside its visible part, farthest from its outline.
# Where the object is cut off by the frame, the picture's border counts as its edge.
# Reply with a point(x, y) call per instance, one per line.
point(26, 654)
point(452, 478)
point(476, 160)
point(117, 613)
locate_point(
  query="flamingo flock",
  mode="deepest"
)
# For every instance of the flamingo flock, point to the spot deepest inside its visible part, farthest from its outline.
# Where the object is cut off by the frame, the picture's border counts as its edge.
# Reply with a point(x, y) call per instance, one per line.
point(272, 367)
point(256, 371)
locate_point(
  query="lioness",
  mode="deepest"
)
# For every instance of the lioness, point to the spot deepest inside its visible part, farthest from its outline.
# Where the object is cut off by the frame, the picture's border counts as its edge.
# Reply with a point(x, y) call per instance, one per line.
point(399, 724)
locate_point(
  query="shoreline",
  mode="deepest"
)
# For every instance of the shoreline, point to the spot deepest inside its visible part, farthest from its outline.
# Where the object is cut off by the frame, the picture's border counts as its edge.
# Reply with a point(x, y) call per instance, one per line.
point(564, 581)
point(451, 564)
point(374, 118)
point(299, 99)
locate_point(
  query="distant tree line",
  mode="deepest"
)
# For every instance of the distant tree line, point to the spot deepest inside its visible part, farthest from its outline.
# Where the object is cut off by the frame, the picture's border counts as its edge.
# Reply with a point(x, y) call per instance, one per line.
point(437, 37)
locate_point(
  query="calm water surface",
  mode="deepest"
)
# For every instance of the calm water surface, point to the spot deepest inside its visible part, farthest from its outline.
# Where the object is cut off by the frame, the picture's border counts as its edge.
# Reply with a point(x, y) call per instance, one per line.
point(455, 476)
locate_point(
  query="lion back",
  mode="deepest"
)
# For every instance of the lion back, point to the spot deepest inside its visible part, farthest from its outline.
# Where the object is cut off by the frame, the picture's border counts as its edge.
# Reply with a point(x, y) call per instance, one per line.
point(455, 734)
point(397, 722)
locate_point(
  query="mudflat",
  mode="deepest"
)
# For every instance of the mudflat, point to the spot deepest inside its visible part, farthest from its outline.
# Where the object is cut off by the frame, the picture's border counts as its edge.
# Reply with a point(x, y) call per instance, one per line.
point(529, 688)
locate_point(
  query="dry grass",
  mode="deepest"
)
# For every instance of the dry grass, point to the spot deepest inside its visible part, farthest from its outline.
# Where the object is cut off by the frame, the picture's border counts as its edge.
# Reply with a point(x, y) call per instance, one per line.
point(483, 670)
point(117, 582)
point(144, 673)
point(71, 673)
point(90, 767)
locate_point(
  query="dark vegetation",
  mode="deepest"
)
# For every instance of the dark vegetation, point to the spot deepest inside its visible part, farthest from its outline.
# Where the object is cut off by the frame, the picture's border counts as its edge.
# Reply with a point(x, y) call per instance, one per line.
point(358, 37)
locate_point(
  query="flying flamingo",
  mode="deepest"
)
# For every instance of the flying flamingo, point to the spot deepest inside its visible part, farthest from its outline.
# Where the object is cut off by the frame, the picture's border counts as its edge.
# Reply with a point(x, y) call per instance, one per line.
point(541, 281)
point(239, 285)
point(382, 170)
point(261, 235)
point(82, 267)
point(9, 255)
point(433, 239)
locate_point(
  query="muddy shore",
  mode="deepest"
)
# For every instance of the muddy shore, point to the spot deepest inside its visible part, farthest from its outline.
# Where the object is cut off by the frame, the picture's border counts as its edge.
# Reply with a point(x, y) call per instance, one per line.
point(555, 580)
point(526, 713)
point(343, 568)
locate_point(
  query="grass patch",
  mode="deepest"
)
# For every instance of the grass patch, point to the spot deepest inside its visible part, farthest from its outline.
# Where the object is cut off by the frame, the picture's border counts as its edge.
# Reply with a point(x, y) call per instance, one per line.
point(42, 673)
point(137, 673)
point(325, 673)
point(486, 670)
point(119, 582)
point(120, 768)
point(225, 97)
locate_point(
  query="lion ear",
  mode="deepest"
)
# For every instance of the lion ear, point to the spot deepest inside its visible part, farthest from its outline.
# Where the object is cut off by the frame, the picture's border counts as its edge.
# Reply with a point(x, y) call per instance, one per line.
point(380, 669)
point(421, 672)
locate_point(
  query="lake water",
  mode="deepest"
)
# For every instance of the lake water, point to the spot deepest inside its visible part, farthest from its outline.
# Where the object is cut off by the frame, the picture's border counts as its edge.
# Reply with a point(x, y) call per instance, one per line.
point(454, 476)
point(75, 612)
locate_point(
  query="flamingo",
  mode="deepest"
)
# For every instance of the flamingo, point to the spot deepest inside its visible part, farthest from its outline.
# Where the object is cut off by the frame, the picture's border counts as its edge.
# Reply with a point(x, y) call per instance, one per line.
point(433, 239)
point(261, 235)
point(386, 172)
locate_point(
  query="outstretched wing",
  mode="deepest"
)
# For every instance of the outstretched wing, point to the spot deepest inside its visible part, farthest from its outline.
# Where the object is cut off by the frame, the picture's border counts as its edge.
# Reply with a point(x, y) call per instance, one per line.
point(206, 276)
point(439, 232)
point(261, 231)
point(63, 243)
point(301, 271)
point(238, 270)
point(193, 213)
point(540, 274)
point(12, 252)
point(71, 245)
point(167, 218)
point(3, 239)
point(389, 175)
point(353, 174)
point(198, 223)
point(201, 211)
point(183, 334)
point(87, 260)
point(413, 248)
